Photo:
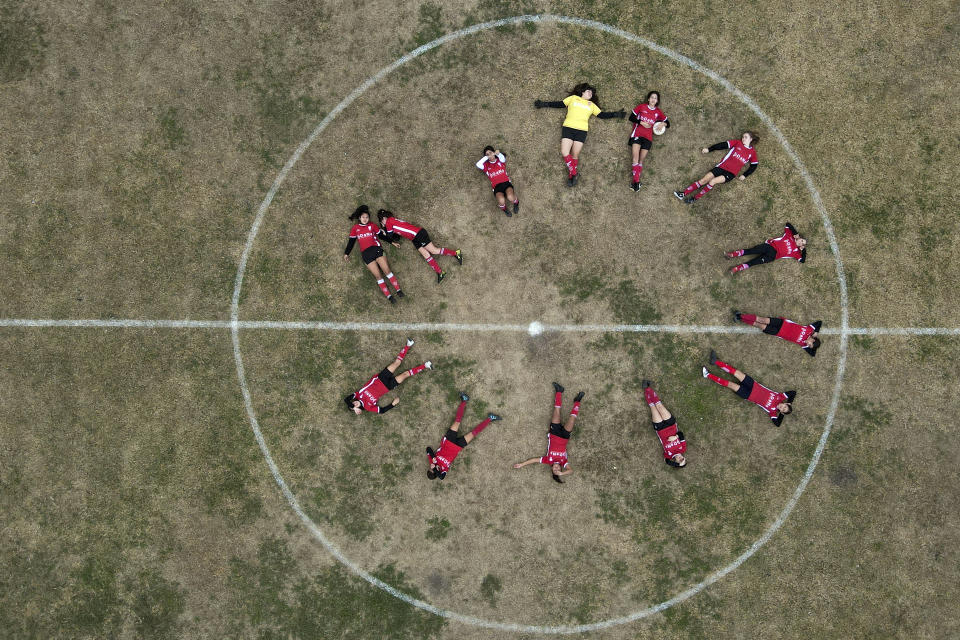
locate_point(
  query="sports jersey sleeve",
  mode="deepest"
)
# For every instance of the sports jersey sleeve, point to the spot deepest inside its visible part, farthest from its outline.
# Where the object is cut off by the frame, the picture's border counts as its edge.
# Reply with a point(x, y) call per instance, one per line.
point(385, 409)
point(502, 157)
point(777, 418)
point(350, 243)
point(481, 162)
point(720, 146)
point(754, 163)
point(665, 121)
point(566, 101)
point(789, 227)
point(635, 114)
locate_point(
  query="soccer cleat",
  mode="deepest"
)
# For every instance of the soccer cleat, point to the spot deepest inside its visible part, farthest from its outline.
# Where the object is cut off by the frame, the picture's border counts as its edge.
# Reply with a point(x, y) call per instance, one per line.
point(635, 186)
point(492, 417)
point(738, 268)
point(572, 180)
point(579, 396)
point(409, 342)
point(736, 315)
point(392, 299)
point(507, 212)
point(678, 194)
point(459, 256)
point(646, 384)
point(558, 387)
point(704, 371)
point(428, 364)
point(516, 207)
point(441, 276)
point(464, 397)
point(399, 293)
point(713, 357)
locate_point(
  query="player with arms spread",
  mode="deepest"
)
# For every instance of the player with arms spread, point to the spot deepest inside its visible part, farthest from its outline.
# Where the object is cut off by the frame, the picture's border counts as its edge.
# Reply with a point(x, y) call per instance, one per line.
point(807, 336)
point(775, 403)
point(367, 234)
point(493, 163)
point(790, 245)
point(580, 104)
point(671, 438)
point(368, 396)
point(453, 443)
point(395, 228)
point(645, 115)
point(739, 153)
point(557, 437)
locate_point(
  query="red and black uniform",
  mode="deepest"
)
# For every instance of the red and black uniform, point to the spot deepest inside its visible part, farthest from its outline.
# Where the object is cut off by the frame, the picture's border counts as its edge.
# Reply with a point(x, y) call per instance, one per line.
point(665, 430)
point(772, 249)
point(738, 155)
point(765, 398)
point(557, 439)
point(787, 330)
point(450, 447)
point(370, 393)
point(496, 170)
point(367, 235)
point(651, 115)
point(395, 227)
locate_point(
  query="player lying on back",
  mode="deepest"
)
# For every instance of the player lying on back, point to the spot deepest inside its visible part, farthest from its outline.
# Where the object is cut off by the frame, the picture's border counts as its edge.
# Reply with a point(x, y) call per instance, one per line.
point(367, 397)
point(790, 245)
point(493, 163)
point(368, 235)
point(558, 435)
point(739, 153)
point(807, 336)
point(775, 403)
point(453, 443)
point(671, 438)
point(396, 228)
point(645, 117)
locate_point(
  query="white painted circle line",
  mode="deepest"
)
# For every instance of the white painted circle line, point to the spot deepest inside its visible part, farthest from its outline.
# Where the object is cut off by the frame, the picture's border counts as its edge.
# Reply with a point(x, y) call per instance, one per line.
point(471, 620)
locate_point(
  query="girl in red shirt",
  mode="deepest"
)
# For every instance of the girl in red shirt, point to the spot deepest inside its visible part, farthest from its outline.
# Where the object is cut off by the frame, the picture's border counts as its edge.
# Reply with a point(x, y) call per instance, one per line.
point(493, 163)
point(790, 245)
point(777, 404)
point(645, 115)
point(395, 228)
point(453, 443)
point(807, 336)
point(368, 396)
point(671, 438)
point(739, 153)
point(558, 436)
point(367, 234)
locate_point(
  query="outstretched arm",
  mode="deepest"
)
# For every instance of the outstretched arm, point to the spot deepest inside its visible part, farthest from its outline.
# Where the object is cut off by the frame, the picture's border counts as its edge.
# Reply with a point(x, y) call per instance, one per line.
point(553, 104)
point(720, 146)
point(350, 243)
point(604, 115)
point(525, 463)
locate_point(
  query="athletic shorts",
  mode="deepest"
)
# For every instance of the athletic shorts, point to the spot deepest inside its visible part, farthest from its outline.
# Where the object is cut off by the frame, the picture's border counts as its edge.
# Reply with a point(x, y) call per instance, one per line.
point(557, 429)
point(774, 327)
point(502, 187)
point(370, 254)
point(745, 388)
point(717, 172)
point(455, 438)
point(577, 135)
point(388, 380)
point(643, 142)
point(422, 239)
point(669, 422)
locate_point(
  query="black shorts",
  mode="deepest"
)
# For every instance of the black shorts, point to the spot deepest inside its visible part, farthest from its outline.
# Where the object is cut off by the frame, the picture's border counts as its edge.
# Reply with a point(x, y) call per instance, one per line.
point(502, 187)
point(643, 142)
point(455, 438)
point(422, 239)
point(557, 429)
point(745, 388)
point(717, 172)
point(370, 254)
point(387, 378)
point(774, 327)
point(669, 422)
point(577, 135)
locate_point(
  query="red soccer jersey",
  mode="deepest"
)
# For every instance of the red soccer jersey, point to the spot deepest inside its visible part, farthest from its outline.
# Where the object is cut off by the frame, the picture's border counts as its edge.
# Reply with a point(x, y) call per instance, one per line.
point(495, 169)
point(794, 332)
point(445, 456)
point(786, 246)
point(401, 228)
point(737, 156)
point(644, 113)
point(556, 451)
point(671, 449)
point(370, 393)
point(366, 235)
point(766, 399)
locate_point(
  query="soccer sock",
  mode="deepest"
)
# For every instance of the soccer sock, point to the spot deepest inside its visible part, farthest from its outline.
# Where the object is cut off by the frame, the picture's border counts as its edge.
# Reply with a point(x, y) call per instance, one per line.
point(383, 287)
point(403, 352)
point(723, 366)
point(517, 201)
point(748, 318)
point(576, 409)
point(693, 187)
point(417, 369)
point(393, 280)
point(460, 411)
point(480, 427)
point(720, 381)
point(707, 189)
point(557, 399)
point(651, 396)
point(433, 263)
point(503, 207)
point(739, 268)
point(568, 160)
point(448, 252)
point(637, 169)
point(736, 253)
point(573, 166)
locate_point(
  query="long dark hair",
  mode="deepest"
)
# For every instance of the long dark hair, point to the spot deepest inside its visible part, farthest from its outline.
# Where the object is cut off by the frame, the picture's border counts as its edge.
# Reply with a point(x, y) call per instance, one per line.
point(383, 213)
point(583, 86)
point(659, 98)
point(349, 401)
point(754, 138)
point(361, 209)
point(557, 478)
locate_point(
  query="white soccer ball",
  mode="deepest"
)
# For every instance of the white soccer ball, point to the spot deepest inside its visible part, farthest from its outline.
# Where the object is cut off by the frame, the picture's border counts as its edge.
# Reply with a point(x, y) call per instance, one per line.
point(659, 128)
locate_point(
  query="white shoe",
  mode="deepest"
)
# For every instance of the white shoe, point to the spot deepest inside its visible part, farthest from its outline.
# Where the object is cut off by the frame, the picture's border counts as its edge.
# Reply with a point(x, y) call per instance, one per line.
point(428, 364)
point(704, 371)
point(409, 342)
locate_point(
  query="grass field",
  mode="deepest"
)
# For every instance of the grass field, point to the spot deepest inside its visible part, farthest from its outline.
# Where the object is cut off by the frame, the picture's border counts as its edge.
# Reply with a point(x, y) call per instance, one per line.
point(138, 143)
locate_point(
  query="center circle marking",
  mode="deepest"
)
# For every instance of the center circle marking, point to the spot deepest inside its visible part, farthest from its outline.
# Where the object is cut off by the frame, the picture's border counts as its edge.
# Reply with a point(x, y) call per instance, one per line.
point(535, 328)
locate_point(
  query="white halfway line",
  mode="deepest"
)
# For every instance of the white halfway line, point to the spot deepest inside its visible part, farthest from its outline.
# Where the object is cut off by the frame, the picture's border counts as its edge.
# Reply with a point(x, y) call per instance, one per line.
point(319, 325)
